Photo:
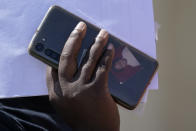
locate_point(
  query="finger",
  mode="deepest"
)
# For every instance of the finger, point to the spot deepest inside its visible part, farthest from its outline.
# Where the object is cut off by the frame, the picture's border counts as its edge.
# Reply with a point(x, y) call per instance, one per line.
point(68, 59)
point(94, 55)
point(53, 82)
point(104, 65)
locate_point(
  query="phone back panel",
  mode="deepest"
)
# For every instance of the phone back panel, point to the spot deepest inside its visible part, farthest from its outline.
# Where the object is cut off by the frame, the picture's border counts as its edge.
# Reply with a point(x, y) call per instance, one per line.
point(131, 71)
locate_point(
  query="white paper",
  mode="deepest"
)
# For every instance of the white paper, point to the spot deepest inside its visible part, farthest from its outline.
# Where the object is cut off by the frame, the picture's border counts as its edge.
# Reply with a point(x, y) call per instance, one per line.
point(23, 75)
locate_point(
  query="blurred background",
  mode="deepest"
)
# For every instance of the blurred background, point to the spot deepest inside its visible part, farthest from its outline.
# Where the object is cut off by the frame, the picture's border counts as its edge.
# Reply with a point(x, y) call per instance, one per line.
point(173, 106)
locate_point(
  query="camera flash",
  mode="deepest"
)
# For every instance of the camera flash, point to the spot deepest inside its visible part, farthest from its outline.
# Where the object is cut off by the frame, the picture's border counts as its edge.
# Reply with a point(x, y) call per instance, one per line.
point(43, 39)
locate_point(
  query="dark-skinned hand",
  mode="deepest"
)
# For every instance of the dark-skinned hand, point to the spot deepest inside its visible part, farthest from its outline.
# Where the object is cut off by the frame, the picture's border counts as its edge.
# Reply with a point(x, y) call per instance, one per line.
point(81, 96)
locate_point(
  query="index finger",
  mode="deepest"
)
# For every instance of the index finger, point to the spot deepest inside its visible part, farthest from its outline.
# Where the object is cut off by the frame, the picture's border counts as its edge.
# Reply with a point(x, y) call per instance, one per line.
point(68, 59)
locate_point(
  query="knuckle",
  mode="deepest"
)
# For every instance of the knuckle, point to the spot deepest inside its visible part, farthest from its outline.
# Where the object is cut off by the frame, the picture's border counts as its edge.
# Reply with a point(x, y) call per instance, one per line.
point(90, 63)
point(94, 55)
point(95, 51)
point(102, 70)
point(86, 66)
point(66, 56)
point(85, 73)
point(75, 34)
point(91, 60)
point(99, 40)
point(73, 91)
point(97, 47)
point(102, 73)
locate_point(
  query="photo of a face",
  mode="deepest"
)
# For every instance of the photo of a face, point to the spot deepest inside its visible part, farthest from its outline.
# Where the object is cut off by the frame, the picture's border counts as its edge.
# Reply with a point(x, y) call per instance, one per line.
point(125, 65)
point(120, 64)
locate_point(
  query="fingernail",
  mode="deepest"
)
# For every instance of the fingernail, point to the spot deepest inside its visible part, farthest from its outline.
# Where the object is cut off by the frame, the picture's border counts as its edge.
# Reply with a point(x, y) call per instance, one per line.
point(80, 26)
point(103, 34)
point(110, 47)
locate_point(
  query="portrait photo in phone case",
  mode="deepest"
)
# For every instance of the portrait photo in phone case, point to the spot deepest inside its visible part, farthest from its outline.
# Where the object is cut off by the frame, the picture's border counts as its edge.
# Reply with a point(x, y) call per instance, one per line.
point(124, 65)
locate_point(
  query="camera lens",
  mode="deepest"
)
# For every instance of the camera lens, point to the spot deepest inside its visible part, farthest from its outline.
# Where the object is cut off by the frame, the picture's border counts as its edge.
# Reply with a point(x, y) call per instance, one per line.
point(55, 56)
point(39, 47)
point(52, 54)
point(48, 52)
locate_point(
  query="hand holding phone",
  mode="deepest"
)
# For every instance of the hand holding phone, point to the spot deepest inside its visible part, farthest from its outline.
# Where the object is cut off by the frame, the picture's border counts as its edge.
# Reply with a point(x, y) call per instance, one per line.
point(131, 70)
point(82, 96)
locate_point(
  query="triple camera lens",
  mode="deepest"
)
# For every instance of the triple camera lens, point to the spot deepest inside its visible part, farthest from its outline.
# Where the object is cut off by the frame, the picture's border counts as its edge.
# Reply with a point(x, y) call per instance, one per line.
point(48, 52)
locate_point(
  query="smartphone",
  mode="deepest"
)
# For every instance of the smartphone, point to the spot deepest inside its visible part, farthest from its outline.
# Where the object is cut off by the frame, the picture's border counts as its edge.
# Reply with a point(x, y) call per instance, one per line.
point(131, 71)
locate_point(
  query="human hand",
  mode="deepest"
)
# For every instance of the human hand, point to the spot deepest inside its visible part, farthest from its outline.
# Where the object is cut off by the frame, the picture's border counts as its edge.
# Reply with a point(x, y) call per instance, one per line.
point(82, 96)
